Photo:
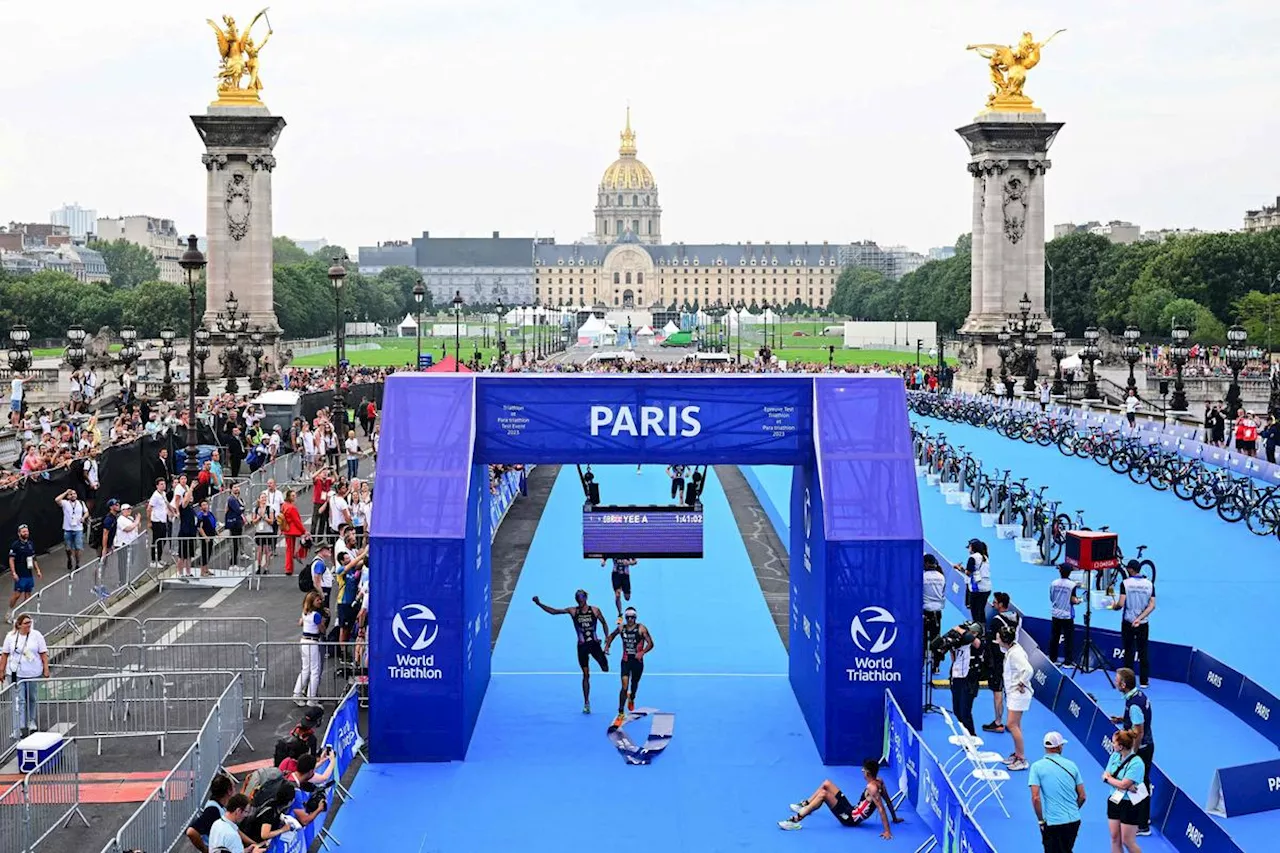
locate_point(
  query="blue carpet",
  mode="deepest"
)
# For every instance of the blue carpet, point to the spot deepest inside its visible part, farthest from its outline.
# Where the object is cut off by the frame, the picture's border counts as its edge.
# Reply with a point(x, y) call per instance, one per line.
point(539, 770)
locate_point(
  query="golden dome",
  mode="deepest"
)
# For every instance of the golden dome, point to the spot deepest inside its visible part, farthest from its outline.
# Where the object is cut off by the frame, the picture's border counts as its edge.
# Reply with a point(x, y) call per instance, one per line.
point(627, 173)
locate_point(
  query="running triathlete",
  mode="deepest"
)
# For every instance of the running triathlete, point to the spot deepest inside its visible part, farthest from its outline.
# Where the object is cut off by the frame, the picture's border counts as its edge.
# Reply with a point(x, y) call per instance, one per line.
point(676, 473)
point(636, 643)
point(621, 578)
point(585, 619)
point(874, 799)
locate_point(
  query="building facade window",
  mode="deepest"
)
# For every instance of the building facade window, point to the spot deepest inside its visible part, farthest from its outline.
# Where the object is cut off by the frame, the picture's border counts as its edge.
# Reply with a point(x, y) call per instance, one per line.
point(628, 278)
point(639, 278)
point(617, 278)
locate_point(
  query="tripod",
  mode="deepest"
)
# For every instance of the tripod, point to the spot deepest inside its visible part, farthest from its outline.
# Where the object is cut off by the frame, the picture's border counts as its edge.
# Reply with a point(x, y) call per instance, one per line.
point(1091, 658)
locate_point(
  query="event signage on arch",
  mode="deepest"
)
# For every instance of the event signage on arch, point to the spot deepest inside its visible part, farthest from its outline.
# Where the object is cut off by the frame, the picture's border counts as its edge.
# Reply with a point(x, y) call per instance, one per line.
point(856, 583)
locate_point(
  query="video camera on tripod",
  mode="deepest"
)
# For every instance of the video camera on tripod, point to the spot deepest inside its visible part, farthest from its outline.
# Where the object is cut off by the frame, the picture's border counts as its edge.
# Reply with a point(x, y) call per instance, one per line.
point(958, 637)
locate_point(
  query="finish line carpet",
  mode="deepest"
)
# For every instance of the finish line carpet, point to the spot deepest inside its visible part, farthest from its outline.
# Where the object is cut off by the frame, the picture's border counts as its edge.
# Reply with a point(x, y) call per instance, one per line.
point(540, 772)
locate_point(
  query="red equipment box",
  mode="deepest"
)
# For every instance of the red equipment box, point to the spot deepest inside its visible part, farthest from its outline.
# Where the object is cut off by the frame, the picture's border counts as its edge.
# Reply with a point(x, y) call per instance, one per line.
point(1092, 549)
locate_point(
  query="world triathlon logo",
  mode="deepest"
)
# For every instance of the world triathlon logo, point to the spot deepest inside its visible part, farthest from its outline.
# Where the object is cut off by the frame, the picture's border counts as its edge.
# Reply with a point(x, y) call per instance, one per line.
point(415, 627)
point(878, 621)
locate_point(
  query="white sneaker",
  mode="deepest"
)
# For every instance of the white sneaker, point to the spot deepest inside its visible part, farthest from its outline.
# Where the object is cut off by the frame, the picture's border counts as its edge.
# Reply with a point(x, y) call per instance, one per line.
point(796, 808)
point(790, 823)
point(1019, 764)
point(300, 701)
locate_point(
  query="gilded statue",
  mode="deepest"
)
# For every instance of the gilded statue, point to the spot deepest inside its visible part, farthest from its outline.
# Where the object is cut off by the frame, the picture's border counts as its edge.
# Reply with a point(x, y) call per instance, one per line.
point(238, 58)
point(1009, 66)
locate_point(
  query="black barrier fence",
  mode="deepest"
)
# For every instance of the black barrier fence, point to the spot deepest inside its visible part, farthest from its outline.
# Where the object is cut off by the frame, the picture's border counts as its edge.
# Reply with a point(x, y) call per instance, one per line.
point(126, 472)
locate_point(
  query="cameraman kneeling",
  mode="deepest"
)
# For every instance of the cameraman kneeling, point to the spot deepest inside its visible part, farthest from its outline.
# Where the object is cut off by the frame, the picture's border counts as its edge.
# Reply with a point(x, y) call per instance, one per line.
point(966, 648)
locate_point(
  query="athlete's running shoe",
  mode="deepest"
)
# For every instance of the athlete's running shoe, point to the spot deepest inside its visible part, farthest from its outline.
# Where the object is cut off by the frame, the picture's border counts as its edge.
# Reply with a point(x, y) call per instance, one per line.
point(796, 808)
point(586, 707)
point(631, 704)
point(790, 823)
point(619, 720)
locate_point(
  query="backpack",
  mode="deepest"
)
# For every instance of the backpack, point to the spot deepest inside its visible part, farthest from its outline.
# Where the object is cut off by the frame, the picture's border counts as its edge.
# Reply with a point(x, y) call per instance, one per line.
point(290, 746)
point(262, 785)
point(251, 825)
point(306, 582)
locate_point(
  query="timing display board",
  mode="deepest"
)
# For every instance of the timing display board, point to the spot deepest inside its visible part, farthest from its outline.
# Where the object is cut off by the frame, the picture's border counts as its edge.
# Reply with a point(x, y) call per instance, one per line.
point(642, 531)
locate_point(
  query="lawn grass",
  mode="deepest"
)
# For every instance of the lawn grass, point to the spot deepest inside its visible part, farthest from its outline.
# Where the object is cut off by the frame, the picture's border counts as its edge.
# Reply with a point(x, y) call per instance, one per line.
point(53, 352)
point(396, 352)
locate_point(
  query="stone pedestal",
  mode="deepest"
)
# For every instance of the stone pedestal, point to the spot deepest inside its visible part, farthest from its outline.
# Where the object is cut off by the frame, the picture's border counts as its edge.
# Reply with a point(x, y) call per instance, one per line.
point(238, 144)
point(1008, 164)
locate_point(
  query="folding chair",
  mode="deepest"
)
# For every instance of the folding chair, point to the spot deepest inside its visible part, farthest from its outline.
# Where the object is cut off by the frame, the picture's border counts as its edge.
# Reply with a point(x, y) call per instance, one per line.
point(961, 740)
point(986, 770)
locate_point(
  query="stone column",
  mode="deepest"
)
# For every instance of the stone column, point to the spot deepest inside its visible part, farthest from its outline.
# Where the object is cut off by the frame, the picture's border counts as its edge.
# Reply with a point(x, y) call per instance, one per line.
point(238, 143)
point(1007, 158)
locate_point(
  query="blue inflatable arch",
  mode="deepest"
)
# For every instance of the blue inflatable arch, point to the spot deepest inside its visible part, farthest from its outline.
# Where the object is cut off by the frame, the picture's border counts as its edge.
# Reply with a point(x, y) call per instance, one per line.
point(856, 615)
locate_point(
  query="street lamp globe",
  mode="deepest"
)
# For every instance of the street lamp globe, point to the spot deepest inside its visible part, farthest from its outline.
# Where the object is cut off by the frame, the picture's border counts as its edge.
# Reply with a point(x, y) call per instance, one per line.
point(76, 334)
point(337, 274)
point(168, 335)
point(1024, 305)
point(192, 259)
point(419, 292)
point(19, 335)
point(1237, 335)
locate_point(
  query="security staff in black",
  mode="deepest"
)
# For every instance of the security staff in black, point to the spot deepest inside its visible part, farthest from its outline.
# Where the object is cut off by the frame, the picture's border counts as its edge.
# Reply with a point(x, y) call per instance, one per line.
point(676, 473)
point(1137, 716)
point(636, 643)
point(586, 618)
point(1137, 599)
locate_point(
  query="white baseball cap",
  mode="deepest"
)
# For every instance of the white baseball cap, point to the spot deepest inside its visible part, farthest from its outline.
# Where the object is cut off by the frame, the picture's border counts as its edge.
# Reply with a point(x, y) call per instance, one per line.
point(1053, 740)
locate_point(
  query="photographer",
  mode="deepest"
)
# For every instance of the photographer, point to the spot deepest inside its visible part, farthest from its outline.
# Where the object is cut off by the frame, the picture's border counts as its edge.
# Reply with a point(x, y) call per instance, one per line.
point(964, 642)
point(1003, 619)
point(935, 598)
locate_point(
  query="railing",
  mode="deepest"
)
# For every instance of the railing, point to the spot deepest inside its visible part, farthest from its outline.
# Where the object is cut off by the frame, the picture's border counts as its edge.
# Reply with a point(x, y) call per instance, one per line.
point(162, 818)
point(46, 798)
point(114, 705)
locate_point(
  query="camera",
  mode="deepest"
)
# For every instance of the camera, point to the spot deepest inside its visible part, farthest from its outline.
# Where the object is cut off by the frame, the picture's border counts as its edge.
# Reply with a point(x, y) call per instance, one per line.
point(958, 637)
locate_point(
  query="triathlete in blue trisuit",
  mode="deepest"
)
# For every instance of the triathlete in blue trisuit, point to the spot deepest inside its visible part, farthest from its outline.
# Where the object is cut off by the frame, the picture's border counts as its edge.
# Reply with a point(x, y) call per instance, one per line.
point(585, 619)
point(874, 799)
point(636, 643)
point(621, 579)
point(676, 473)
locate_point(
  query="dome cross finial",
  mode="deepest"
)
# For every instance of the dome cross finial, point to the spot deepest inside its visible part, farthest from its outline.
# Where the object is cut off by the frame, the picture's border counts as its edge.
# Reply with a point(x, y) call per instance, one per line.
point(628, 146)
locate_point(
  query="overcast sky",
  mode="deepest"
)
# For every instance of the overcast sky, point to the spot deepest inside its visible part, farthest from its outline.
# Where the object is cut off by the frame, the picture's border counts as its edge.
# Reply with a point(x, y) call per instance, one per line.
point(805, 120)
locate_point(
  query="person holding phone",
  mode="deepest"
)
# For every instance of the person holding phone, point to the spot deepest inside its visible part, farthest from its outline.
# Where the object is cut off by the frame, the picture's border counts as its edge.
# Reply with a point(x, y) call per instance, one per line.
point(24, 657)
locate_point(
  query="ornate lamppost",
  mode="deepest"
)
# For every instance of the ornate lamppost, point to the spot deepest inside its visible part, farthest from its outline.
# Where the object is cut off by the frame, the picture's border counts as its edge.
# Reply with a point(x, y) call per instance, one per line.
point(231, 326)
point(125, 358)
point(1132, 352)
point(457, 320)
point(1004, 350)
point(738, 311)
point(337, 276)
point(19, 353)
point(202, 353)
point(501, 340)
point(1235, 355)
point(1058, 349)
point(167, 337)
point(191, 262)
point(75, 351)
point(524, 355)
point(1179, 354)
point(255, 350)
point(419, 293)
point(1025, 331)
point(1092, 355)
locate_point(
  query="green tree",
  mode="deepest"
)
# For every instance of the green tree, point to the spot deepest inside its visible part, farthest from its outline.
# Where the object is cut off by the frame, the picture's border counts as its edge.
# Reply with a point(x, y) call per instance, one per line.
point(153, 305)
point(1259, 313)
point(964, 244)
point(1077, 260)
point(402, 279)
point(1199, 320)
point(128, 263)
point(285, 251)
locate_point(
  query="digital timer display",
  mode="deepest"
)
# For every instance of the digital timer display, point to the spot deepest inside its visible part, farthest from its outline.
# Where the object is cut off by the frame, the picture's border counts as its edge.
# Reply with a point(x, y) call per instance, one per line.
point(642, 531)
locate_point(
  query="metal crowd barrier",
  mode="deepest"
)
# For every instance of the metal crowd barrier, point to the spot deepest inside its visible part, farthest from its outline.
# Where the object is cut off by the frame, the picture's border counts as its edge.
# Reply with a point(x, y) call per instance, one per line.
point(163, 630)
point(279, 665)
point(118, 705)
point(46, 798)
point(160, 822)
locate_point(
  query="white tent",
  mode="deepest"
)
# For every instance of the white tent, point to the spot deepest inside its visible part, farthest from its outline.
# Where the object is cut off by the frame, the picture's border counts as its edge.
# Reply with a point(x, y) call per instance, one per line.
point(645, 332)
point(669, 329)
point(408, 327)
point(595, 331)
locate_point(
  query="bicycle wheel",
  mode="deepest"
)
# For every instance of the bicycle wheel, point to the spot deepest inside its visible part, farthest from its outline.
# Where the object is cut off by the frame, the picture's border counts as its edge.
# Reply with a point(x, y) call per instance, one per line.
point(1261, 518)
point(1102, 453)
point(1231, 508)
point(1061, 524)
point(1140, 473)
point(1120, 462)
point(1159, 478)
point(1067, 443)
point(1185, 485)
point(1044, 438)
point(980, 496)
point(1148, 568)
point(1205, 497)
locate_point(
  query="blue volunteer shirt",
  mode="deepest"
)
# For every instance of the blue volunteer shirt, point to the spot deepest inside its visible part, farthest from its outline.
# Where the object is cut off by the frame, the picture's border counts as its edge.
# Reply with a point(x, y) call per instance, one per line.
point(1134, 770)
point(1057, 778)
point(1061, 591)
point(1137, 592)
point(935, 591)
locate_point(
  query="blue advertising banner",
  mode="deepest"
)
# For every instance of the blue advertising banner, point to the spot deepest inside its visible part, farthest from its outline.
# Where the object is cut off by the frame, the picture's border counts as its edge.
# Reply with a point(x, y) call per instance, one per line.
point(1076, 708)
point(808, 600)
point(612, 418)
point(1046, 680)
point(1255, 706)
point(1169, 661)
point(1245, 789)
point(476, 600)
point(1190, 830)
point(902, 752)
point(1215, 679)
